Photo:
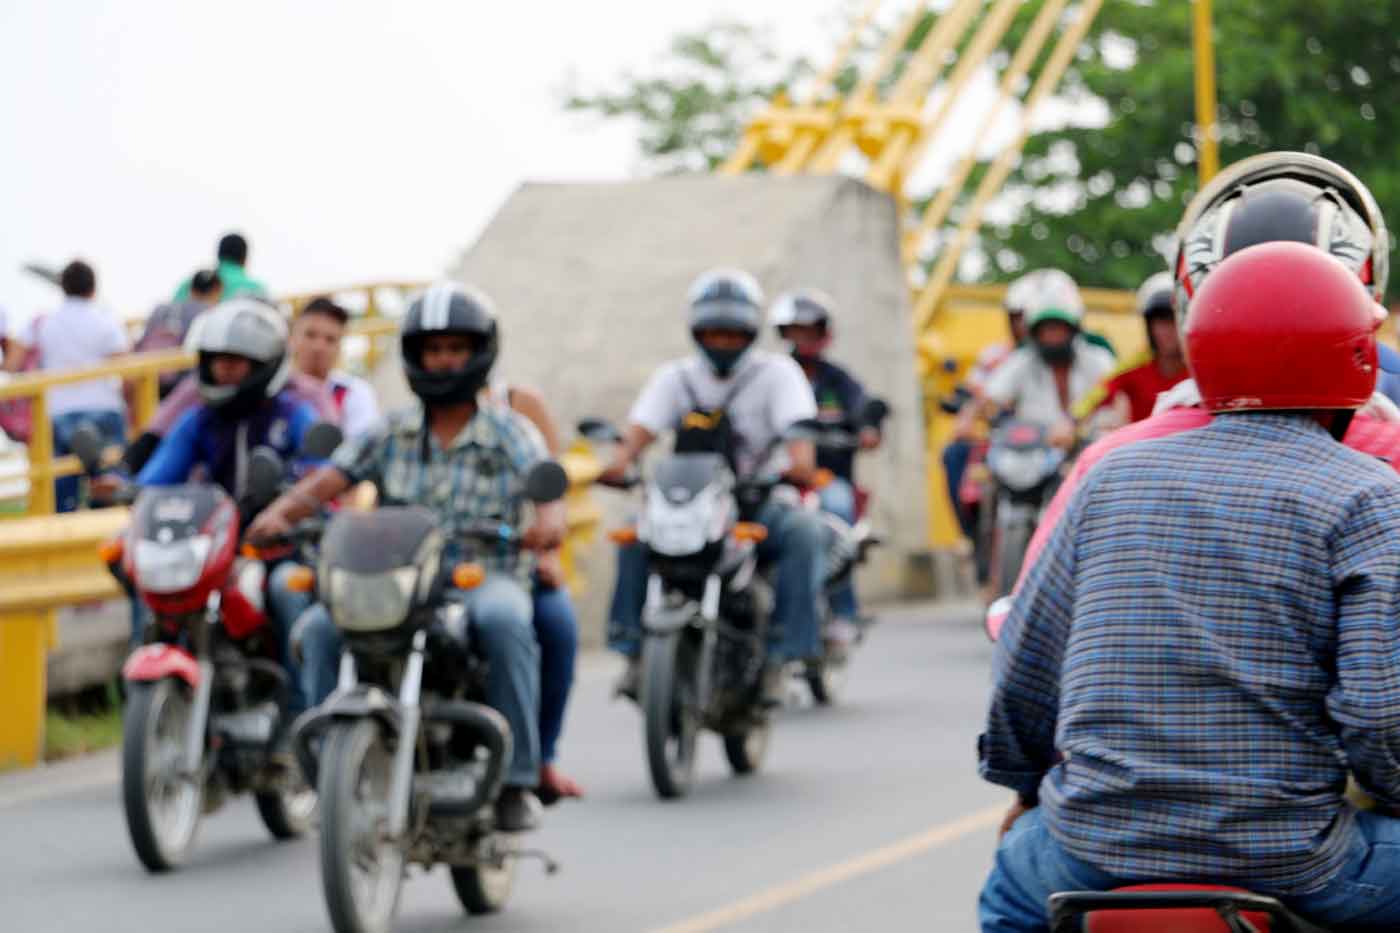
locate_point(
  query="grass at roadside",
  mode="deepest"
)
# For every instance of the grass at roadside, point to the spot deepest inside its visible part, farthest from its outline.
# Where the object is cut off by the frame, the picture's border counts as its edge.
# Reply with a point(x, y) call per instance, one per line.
point(67, 735)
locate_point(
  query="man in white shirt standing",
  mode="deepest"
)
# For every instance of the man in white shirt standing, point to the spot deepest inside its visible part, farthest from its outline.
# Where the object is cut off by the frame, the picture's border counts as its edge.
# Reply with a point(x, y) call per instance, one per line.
point(79, 333)
point(315, 342)
point(762, 394)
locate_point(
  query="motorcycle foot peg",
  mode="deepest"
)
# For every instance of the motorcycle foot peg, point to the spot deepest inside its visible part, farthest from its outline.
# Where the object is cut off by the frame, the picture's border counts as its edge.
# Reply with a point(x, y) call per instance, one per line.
point(551, 867)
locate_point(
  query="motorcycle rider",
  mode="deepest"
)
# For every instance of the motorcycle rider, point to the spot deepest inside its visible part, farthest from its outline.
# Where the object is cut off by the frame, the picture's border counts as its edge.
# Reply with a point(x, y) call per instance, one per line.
point(762, 395)
point(1208, 643)
point(467, 462)
point(1043, 380)
point(245, 403)
point(1272, 196)
point(1130, 394)
point(803, 319)
point(556, 623)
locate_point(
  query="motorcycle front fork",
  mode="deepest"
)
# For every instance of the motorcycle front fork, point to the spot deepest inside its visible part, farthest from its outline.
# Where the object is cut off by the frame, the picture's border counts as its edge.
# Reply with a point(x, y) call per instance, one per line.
point(197, 726)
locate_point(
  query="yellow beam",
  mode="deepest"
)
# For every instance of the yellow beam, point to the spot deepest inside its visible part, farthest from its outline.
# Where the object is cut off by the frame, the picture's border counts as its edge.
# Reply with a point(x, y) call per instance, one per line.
point(923, 68)
point(827, 158)
point(902, 152)
point(1021, 62)
point(826, 81)
point(1208, 144)
point(1001, 168)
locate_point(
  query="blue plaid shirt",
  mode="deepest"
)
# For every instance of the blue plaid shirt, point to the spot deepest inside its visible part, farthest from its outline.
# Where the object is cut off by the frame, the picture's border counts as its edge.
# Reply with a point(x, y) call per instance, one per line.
point(479, 477)
point(1208, 643)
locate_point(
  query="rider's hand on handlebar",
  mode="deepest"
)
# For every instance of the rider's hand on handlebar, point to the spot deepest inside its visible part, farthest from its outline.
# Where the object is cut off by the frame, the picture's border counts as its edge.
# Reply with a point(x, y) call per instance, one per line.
point(271, 524)
point(103, 488)
point(547, 532)
point(1061, 435)
point(614, 474)
point(869, 438)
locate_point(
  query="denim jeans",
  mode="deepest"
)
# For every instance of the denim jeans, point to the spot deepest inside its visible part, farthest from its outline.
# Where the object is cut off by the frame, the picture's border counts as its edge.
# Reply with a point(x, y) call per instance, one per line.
point(499, 610)
point(955, 457)
point(556, 629)
point(111, 425)
point(284, 607)
point(1031, 865)
point(796, 541)
point(838, 498)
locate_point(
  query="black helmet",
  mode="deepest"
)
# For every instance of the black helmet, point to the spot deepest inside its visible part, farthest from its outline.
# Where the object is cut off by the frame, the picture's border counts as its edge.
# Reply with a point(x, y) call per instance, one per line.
point(248, 328)
point(1282, 196)
point(725, 299)
point(449, 308)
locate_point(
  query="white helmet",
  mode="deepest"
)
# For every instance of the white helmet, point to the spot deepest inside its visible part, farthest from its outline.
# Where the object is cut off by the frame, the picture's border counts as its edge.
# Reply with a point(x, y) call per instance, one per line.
point(806, 307)
point(251, 329)
point(1050, 295)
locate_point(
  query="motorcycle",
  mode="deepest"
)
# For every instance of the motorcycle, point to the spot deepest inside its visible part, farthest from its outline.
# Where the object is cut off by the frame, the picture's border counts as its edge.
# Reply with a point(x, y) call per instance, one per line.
point(707, 611)
point(1025, 472)
point(1173, 908)
point(851, 544)
point(407, 756)
point(206, 693)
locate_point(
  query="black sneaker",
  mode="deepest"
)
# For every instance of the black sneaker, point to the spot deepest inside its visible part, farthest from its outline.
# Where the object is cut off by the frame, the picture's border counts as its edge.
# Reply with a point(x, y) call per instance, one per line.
point(517, 810)
point(629, 683)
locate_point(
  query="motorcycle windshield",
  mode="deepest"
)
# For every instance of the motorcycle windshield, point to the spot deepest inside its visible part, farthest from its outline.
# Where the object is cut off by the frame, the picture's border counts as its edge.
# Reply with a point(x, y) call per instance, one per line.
point(681, 477)
point(166, 514)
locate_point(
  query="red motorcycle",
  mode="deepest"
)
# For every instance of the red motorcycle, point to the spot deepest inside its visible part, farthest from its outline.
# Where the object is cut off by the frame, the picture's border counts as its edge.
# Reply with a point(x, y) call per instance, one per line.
point(206, 693)
point(1173, 908)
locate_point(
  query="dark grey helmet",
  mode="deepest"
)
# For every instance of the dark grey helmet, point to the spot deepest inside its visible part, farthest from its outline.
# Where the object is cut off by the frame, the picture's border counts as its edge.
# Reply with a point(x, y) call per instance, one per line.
point(725, 299)
point(449, 308)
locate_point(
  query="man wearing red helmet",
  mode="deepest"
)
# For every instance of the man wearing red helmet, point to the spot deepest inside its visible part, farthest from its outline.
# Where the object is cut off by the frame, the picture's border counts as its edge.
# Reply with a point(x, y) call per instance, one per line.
point(1274, 196)
point(1209, 643)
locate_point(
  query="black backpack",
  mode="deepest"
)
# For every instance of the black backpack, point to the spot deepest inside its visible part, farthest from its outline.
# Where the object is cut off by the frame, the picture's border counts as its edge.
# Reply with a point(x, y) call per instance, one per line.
point(711, 430)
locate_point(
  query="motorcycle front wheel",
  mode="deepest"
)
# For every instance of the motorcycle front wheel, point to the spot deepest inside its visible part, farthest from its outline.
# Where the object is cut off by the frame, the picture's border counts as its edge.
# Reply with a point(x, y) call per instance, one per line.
point(361, 869)
point(671, 723)
point(162, 805)
point(484, 888)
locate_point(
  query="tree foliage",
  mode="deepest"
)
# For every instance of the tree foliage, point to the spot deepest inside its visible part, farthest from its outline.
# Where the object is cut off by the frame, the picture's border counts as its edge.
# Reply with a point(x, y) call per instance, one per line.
point(1099, 201)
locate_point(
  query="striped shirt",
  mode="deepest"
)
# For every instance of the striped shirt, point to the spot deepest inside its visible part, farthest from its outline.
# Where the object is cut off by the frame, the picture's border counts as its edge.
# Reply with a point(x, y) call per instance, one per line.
point(480, 477)
point(1209, 641)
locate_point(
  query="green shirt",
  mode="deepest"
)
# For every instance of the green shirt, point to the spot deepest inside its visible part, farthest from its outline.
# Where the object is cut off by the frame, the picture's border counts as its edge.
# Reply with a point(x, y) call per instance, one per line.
point(236, 282)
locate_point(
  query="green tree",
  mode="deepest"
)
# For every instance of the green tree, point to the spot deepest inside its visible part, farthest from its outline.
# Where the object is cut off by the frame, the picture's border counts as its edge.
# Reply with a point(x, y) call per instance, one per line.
point(1102, 200)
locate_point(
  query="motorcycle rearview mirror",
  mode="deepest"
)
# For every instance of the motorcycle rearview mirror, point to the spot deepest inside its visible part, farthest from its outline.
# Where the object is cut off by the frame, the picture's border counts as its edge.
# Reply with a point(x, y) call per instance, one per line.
point(546, 482)
point(599, 431)
point(86, 444)
point(877, 410)
point(321, 440)
point(265, 470)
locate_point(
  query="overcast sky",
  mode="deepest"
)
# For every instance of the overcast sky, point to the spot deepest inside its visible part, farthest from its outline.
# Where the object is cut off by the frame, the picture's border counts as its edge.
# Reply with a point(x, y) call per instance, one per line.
point(351, 141)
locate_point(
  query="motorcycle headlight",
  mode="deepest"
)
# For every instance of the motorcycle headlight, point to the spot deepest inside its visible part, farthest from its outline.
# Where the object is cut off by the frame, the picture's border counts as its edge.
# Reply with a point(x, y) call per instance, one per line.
point(173, 566)
point(1021, 469)
point(371, 602)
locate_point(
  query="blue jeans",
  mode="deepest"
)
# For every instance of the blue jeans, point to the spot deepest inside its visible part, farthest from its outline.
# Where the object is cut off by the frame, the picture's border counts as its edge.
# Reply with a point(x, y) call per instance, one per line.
point(955, 457)
point(556, 629)
point(110, 424)
point(1031, 865)
point(284, 607)
point(499, 610)
point(796, 541)
point(838, 498)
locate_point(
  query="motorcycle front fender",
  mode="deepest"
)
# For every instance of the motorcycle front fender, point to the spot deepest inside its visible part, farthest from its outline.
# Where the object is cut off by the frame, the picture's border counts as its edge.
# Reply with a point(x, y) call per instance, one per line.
point(151, 663)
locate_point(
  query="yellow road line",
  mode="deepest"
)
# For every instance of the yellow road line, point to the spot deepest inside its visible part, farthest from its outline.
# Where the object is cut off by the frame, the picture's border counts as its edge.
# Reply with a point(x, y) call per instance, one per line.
point(783, 894)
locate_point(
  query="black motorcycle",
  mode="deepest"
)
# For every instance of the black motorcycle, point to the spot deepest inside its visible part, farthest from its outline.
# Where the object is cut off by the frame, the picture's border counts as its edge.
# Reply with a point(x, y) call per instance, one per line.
point(407, 757)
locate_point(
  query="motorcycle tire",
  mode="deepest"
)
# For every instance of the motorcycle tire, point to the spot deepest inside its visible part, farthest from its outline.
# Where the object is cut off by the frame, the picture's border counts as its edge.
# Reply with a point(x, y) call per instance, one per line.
point(1015, 540)
point(484, 889)
point(746, 750)
point(355, 755)
point(153, 734)
point(826, 679)
point(287, 813)
point(670, 724)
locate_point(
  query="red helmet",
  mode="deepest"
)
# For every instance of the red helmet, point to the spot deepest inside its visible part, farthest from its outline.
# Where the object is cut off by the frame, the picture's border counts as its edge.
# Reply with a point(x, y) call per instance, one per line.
point(1283, 325)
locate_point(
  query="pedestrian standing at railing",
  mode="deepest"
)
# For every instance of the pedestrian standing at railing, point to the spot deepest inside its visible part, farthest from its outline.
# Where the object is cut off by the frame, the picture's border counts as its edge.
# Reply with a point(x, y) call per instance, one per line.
point(79, 333)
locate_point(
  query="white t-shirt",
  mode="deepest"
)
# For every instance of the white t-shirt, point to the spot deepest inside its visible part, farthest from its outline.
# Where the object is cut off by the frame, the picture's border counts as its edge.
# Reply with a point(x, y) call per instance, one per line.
point(79, 333)
point(359, 406)
point(774, 394)
point(1025, 382)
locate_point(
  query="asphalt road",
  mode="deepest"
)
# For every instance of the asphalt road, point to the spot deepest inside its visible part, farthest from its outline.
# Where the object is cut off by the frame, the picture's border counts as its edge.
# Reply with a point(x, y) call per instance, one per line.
point(866, 816)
